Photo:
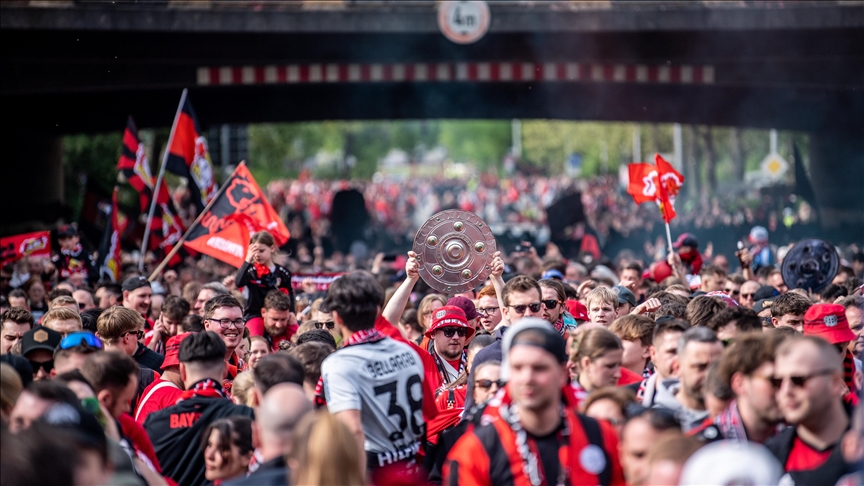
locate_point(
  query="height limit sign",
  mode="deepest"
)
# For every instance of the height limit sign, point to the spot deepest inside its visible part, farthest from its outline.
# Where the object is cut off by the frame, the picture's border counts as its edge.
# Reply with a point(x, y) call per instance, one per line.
point(463, 22)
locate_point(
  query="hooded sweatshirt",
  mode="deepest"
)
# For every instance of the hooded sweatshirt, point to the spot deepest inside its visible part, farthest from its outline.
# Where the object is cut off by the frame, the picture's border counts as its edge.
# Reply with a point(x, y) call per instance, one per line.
point(664, 397)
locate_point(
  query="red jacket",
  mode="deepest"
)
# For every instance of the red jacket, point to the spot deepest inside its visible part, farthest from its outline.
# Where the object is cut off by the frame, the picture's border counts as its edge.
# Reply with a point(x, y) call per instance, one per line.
point(487, 454)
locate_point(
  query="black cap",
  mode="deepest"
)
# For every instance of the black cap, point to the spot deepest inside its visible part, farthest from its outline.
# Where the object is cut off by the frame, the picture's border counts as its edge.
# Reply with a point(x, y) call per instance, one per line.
point(66, 230)
point(762, 305)
point(40, 338)
point(135, 283)
point(766, 292)
point(532, 331)
point(83, 424)
point(21, 365)
point(686, 239)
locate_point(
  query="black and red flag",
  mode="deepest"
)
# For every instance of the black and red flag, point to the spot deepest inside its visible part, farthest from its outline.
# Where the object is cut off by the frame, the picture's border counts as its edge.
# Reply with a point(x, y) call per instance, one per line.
point(240, 210)
point(110, 259)
point(188, 155)
point(166, 227)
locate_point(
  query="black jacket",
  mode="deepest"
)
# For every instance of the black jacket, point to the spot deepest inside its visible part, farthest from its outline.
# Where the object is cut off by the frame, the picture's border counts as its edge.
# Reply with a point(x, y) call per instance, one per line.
point(259, 287)
point(176, 435)
point(271, 473)
point(145, 356)
point(828, 473)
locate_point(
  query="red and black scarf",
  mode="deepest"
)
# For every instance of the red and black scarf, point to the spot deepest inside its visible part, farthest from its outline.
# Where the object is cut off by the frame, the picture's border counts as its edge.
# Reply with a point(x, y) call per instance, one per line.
point(442, 371)
point(849, 372)
point(363, 336)
point(74, 252)
point(204, 388)
point(571, 436)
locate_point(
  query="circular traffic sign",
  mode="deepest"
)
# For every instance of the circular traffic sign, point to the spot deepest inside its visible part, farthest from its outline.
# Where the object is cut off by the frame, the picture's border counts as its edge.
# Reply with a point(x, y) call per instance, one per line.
point(463, 22)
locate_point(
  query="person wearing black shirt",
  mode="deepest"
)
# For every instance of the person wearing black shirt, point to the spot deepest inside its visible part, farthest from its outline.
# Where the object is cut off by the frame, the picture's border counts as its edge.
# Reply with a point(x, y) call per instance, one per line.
point(176, 431)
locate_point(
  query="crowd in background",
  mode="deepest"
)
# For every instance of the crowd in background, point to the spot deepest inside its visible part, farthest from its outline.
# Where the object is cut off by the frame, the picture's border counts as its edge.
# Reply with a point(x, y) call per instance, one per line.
point(398, 207)
point(650, 367)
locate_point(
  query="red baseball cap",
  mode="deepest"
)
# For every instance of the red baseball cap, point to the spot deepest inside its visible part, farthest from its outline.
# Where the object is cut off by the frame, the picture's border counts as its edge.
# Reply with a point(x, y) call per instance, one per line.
point(828, 321)
point(449, 316)
point(577, 310)
point(172, 350)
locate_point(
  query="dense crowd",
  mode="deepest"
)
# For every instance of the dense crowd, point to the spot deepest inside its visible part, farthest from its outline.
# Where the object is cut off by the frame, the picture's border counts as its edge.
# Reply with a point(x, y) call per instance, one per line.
point(399, 207)
point(683, 370)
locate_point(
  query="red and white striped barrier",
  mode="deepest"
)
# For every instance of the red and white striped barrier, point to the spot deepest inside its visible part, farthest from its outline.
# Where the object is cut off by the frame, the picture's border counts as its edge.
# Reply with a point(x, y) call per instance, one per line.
point(455, 72)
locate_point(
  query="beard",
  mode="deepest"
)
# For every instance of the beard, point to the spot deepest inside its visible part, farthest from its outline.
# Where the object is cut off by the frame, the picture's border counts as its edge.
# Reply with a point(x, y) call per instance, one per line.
point(275, 330)
point(447, 354)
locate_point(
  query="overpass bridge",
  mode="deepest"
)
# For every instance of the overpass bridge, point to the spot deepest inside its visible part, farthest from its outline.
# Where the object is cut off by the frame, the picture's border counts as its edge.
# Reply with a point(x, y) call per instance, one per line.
point(71, 67)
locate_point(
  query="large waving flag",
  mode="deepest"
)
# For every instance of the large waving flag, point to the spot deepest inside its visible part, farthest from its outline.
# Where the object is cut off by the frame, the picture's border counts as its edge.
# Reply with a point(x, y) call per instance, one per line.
point(188, 155)
point(660, 183)
point(166, 227)
point(111, 264)
point(239, 211)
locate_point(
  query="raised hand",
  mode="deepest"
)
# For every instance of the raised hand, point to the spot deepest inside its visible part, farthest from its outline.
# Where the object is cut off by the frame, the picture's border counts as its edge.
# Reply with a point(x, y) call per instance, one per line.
point(412, 266)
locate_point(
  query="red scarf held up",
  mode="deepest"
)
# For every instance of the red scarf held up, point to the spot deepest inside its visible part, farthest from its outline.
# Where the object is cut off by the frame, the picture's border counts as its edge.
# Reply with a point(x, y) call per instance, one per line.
point(204, 388)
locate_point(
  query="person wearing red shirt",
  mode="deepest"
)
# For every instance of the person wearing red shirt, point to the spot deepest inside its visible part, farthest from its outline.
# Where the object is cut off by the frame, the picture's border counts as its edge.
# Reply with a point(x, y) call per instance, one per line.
point(531, 433)
point(165, 391)
point(278, 321)
point(448, 336)
point(223, 315)
point(808, 377)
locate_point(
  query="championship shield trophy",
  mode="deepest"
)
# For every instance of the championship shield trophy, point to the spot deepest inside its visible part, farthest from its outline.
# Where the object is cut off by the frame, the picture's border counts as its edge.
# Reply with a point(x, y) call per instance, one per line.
point(454, 249)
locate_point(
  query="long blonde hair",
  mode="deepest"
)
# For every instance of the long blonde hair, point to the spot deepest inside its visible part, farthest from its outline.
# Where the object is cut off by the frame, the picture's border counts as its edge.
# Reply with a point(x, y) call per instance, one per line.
point(325, 452)
point(426, 304)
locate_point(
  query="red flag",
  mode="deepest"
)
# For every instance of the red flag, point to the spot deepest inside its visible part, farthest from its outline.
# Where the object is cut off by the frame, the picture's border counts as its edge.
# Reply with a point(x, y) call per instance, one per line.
point(111, 266)
point(660, 183)
point(242, 209)
point(16, 247)
point(669, 186)
point(643, 182)
point(166, 227)
point(188, 155)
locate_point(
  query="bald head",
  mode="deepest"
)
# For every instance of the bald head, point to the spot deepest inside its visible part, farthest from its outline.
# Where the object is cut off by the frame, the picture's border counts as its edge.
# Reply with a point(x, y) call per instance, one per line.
point(279, 411)
point(815, 352)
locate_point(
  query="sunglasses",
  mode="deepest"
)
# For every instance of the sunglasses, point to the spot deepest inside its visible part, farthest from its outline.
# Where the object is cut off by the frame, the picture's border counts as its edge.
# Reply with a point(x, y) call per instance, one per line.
point(486, 384)
point(520, 309)
point(80, 338)
point(732, 292)
point(450, 331)
point(551, 304)
point(798, 381)
point(748, 296)
point(81, 305)
point(328, 325)
point(46, 365)
point(139, 335)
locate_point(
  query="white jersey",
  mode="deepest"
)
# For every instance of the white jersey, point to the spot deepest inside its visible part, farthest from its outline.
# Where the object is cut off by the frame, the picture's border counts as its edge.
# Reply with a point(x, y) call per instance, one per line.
point(384, 381)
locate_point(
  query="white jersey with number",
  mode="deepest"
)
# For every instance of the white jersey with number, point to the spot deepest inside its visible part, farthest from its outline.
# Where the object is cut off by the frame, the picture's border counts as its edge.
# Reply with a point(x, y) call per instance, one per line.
point(384, 381)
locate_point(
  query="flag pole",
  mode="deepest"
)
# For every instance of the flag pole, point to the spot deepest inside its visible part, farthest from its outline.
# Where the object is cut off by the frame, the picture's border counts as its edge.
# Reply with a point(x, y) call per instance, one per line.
point(179, 243)
point(158, 185)
point(669, 238)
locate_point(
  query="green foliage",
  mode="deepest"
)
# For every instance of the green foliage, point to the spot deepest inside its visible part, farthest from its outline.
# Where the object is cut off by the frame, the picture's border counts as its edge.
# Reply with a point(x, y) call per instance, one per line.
point(481, 142)
point(548, 143)
point(279, 151)
point(93, 156)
